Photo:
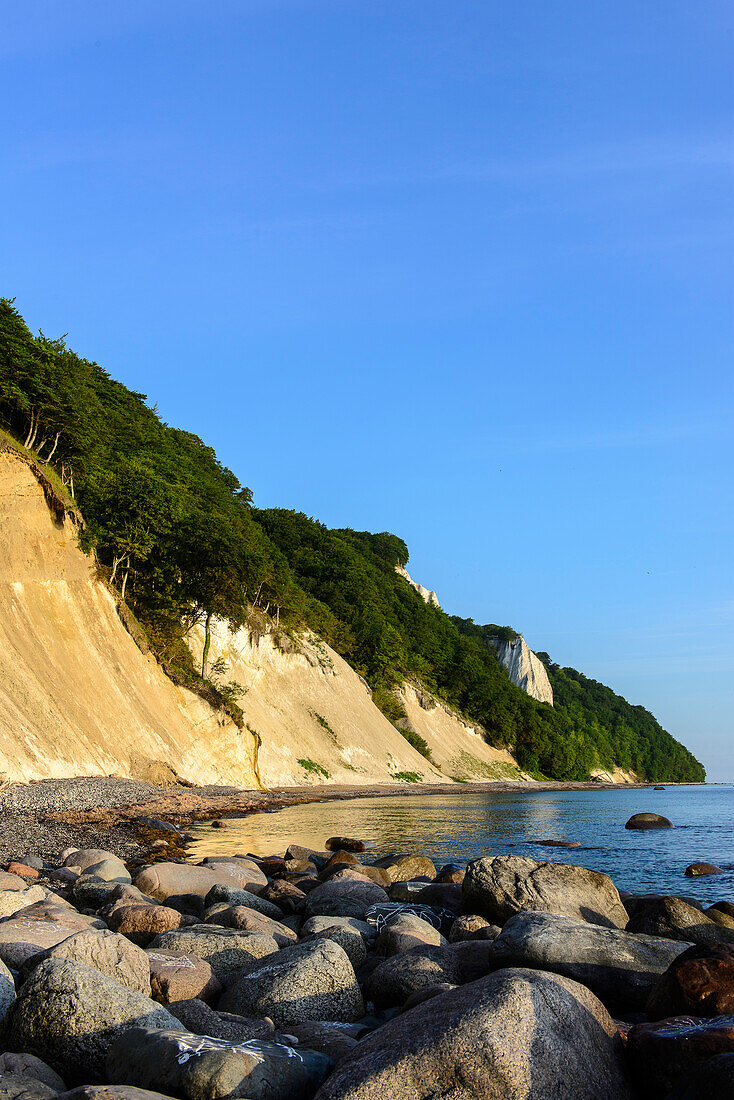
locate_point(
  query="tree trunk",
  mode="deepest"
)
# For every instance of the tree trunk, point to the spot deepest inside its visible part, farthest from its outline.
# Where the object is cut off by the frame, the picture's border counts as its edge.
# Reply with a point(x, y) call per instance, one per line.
point(30, 429)
point(53, 449)
point(207, 644)
point(124, 583)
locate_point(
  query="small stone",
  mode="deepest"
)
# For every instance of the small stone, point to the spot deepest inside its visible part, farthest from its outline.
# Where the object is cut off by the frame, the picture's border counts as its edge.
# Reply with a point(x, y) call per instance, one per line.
point(22, 870)
point(218, 824)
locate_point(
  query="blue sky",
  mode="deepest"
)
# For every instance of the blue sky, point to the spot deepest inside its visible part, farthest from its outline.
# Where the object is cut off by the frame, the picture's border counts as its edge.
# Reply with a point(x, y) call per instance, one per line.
point(459, 270)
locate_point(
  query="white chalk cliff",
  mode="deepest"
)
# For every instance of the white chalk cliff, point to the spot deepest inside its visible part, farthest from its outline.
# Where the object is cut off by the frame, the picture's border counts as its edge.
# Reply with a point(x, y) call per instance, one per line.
point(525, 668)
point(426, 594)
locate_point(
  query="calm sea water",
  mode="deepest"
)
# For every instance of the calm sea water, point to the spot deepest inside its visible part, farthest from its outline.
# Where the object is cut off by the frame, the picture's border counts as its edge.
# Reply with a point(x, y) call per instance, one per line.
point(459, 826)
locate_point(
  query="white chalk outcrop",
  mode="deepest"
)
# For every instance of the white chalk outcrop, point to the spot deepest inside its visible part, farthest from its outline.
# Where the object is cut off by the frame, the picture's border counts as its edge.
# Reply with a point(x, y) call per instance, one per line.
point(525, 668)
point(426, 594)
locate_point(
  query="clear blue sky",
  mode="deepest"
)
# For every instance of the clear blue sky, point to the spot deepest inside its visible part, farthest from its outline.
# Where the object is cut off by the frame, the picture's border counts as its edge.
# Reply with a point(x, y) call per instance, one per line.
point(458, 270)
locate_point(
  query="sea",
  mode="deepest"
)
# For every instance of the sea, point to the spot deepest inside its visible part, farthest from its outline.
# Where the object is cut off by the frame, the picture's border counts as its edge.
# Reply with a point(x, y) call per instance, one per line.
point(458, 826)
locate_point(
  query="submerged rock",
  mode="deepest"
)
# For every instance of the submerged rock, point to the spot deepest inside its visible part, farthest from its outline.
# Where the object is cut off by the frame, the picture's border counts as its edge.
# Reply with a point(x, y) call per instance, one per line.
point(648, 821)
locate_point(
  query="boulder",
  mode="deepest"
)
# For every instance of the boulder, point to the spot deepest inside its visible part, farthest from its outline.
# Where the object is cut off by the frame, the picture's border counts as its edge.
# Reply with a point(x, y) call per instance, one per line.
point(699, 982)
point(9, 881)
point(471, 927)
point(90, 892)
point(693, 870)
point(500, 886)
point(660, 1053)
point(24, 1088)
point(474, 959)
point(225, 949)
point(400, 868)
point(7, 992)
point(27, 1065)
point(198, 1067)
point(286, 895)
point(405, 931)
point(54, 908)
point(677, 920)
point(515, 1035)
point(182, 881)
point(11, 901)
point(346, 844)
point(233, 895)
point(142, 923)
point(109, 953)
point(397, 978)
point(328, 1038)
point(427, 994)
point(381, 915)
point(648, 821)
point(203, 1020)
point(90, 859)
point(709, 1080)
point(249, 920)
point(67, 1014)
point(311, 981)
point(175, 976)
point(343, 899)
point(620, 968)
point(24, 940)
point(318, 924)
point(441, 895)
point(349, 940)
point(451, 872)
point(112, 1092)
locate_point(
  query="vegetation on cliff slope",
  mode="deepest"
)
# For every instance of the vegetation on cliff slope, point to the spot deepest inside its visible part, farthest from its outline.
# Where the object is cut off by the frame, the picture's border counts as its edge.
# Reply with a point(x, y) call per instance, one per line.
point(180, 539)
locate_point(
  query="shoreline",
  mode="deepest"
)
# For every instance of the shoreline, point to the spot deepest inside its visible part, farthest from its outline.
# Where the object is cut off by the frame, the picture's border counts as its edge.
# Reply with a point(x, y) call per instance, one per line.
point(124, 816)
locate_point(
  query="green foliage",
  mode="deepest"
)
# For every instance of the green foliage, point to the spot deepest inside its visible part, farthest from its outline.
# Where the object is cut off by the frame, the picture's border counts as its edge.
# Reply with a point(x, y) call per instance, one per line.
point(407, 777)
point(178, 536)
point(314, 768)
point(325, 725)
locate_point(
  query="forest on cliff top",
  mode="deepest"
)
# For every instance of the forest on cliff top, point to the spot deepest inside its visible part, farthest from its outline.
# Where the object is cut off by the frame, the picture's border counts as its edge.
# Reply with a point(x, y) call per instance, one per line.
point(178, 537)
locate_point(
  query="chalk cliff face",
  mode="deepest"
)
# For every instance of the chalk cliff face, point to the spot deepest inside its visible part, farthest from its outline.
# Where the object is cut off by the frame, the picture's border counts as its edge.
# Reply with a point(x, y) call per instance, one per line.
point(525, 669)
point(77, 696)
point(426, 594)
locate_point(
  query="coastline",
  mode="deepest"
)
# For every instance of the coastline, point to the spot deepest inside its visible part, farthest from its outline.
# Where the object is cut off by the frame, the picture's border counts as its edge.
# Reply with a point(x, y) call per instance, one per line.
point(44, 817)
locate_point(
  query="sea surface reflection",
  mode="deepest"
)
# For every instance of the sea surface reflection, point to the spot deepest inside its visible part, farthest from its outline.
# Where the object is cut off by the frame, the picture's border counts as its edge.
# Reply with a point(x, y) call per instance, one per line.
point(457, 826)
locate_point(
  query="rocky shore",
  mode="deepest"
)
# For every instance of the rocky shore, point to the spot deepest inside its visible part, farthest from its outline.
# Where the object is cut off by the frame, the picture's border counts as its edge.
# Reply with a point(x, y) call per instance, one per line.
point(111, 812)
point(334, 974)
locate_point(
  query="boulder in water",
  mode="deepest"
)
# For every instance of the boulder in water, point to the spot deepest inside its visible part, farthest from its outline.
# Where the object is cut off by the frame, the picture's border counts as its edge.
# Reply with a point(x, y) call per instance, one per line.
point(648, 821)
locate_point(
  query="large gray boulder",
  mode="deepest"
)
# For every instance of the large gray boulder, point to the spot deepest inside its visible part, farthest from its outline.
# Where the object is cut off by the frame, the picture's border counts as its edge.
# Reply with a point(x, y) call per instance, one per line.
point(405, 931)
point(311, 981)
point(24, 1088)
point(182, 881)
point(198, 1067)
point(250, 920)
point(109, 953)
point(234, 895)
point(225, 949)
point(27, 1065)
point(68, 1014)
point(97, 861)
point(677, 919)
point(515, 1035)
point(620, 968)
point(500, 886)
point(343, 898)
point(399, 977)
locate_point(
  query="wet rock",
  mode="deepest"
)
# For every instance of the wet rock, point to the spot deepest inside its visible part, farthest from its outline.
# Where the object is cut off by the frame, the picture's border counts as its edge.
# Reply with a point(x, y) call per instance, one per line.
point(198, 1067)
point(515, 1035)
point(648, 821)
point(142, 923)
point(348, 844)
point(343, 899)
point(109, 953)
point(175, 976)
point(178, 880)
point(470, 927)
point(233, 895)
point(677, 920)
point(558, 843)
point(67, 1014)
point(693, 870)
point(661, 1053)
point(699, 982)
point(311, 981)
point(401, 868)
point(397, 978)
point(225, 949)
point(27, 1065)
point(498, 887)
point(405, 931)
point(620, 968)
